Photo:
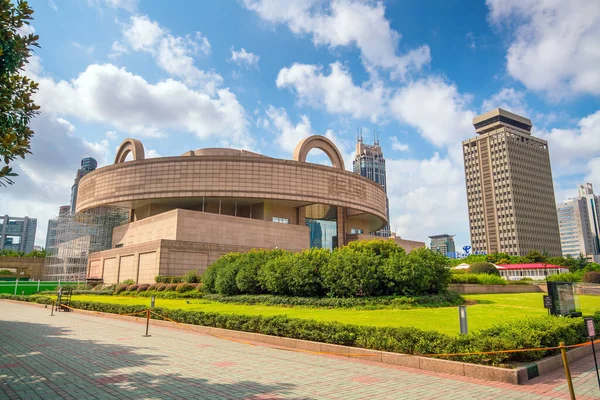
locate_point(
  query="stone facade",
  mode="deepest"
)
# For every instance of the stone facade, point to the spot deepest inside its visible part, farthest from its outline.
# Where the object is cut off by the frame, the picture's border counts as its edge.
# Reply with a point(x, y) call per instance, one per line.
point(187, 211)
point(32, 267)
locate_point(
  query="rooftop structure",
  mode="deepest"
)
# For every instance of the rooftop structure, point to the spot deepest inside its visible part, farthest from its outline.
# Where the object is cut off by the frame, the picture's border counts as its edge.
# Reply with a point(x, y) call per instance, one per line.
point(443, 244)
point(88, 165)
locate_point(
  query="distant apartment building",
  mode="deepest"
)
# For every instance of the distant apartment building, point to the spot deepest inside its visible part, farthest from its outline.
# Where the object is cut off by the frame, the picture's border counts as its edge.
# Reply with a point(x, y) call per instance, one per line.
point(443, 244)
point(370, 163)
point(17, 233)
point(510, 192)
point(88, 165)
point(51, 233)
point(579, 223)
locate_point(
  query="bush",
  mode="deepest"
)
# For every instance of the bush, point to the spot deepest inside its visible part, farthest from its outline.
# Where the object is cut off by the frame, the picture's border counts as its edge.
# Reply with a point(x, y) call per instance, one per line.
point(191, 277)
point(225, 278)
point(120, 288)
point(171, 287)
point(566, 277)
point(209, 276)
point(142, 288)
point(274, 276)
point(483, 268)
point(184, 287)
point(133, 287)
point(168, 279)
point(152, 287)
point(161, 287)
point(592, 277)
point(480, 279)
point(418, 273)
point(128, 282)
point(305, 272)
point(249, 265)
point(6, 272)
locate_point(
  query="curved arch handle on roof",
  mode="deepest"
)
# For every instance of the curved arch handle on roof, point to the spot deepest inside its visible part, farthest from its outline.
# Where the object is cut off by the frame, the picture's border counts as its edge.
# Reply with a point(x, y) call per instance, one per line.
point(133, 146)
point(322, 143)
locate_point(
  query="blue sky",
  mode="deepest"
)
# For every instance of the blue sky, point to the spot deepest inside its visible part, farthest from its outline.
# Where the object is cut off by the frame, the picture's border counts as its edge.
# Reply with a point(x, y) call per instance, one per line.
point(263, 74)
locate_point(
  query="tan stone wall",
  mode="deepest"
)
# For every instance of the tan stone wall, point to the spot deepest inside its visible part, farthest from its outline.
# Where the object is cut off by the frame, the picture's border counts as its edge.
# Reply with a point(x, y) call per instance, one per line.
point(128, 268)
point(110, 270)
point(148, 267)
point(34, 267)
point(95, 269)
point(193, 226)
point(162, 226)
point(230, 177)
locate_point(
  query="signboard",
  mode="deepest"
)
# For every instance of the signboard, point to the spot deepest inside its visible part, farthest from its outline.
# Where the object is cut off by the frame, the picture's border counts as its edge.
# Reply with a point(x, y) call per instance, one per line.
point(548, 302)
point(591, 329)
point(564, 299)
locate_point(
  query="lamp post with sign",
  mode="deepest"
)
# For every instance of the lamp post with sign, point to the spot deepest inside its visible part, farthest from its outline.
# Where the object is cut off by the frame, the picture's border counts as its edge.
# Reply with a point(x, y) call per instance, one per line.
point(591, 331)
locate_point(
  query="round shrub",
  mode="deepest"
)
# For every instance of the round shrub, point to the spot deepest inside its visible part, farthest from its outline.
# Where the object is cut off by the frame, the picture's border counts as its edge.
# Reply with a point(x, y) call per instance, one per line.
point(483, 268)
point(143, 288)
point(152, 287)
point(132, 287)
point(199, 287)
point(128, 282)
point(420, 272)
point(351, 272)
point(273, 277)
point(184, 287)
point(249, 265)
point(225, 279)
point(305, 272)
point(592, 277)
point(191, 277)
point(161, 287)
point(171, 287)
point(121, 287)
point(210, 275)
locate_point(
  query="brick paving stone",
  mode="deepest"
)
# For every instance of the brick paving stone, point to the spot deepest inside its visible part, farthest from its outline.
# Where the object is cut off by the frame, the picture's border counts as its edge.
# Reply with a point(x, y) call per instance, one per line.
point(81, 356)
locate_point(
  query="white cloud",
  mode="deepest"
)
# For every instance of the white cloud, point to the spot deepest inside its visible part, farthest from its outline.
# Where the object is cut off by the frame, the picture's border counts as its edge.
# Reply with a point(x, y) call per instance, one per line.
point(111, 135)
point(46, 176)
point(113, 96)
point(571, 149)
point(509, 99)
point(173, 54)
point(344, 23)
point(52, 5)
point(428, 197)
point(289, 134)
point(336, 91)
point(89, 50)
point(398, 146)
point(244, 58)
point(436, 109)
point(555, 44)
point(152, 153)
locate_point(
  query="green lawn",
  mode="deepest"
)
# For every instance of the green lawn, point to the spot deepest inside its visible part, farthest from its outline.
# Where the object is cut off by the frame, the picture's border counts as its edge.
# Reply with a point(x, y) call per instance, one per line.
point(491, 309)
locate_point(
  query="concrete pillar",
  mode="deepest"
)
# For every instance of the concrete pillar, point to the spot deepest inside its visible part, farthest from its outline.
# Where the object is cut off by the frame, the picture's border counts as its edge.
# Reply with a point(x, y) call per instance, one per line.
point(341, 226)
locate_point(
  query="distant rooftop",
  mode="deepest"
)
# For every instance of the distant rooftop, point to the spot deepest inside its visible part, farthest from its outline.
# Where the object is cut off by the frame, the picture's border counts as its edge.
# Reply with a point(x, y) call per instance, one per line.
point(499, 117)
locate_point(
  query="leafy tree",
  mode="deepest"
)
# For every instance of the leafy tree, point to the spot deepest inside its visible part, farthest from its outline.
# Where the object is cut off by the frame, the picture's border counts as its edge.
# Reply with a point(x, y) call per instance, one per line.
point(483, 268)
point(36, 254)
point(420, 272)
point(17, 107)
point(305, 274)
point(534, 257)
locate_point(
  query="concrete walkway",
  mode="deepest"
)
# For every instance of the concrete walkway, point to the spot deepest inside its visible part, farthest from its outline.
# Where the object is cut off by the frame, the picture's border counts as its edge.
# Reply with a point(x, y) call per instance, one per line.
point(79, 356)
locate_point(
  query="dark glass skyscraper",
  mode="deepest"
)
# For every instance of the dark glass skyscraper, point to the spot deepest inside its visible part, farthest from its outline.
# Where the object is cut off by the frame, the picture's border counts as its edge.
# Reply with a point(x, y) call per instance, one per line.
point(370, 163)
point(88, 164)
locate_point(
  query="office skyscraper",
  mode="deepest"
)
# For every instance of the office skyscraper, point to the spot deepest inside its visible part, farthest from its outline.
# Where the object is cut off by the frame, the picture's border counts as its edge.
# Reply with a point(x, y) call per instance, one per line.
point(443, 244)
point(509, 187)
point(579, 223)
point(88, 164)
point(17, 233)
point(370, 163)
point(63, 211)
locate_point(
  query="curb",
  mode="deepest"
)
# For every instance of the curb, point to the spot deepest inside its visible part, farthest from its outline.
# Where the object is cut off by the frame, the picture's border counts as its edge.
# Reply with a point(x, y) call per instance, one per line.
point(516, 376)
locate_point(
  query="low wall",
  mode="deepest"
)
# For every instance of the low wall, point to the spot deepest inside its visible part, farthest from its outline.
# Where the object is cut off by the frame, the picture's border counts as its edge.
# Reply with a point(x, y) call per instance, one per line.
point(33, 267)
point(473, 288)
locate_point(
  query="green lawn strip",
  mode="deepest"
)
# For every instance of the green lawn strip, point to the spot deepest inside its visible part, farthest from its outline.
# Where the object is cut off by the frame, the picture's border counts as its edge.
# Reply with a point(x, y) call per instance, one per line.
point(495, 308)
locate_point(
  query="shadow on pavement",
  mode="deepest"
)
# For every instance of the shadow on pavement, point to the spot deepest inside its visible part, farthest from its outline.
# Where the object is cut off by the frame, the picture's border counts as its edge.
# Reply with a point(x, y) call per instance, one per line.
point(38, 360)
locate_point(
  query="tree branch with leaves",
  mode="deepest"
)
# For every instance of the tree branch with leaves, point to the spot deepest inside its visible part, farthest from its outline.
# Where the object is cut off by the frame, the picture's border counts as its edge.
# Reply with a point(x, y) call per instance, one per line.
point(17, 107)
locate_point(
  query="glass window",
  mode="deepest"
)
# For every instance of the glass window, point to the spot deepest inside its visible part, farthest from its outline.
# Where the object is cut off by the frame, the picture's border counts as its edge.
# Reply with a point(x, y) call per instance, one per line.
point(356, 231)
point(281, 220)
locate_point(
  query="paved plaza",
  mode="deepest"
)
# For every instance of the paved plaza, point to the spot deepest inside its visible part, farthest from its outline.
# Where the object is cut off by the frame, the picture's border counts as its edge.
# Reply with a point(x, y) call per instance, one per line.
point(81, 356)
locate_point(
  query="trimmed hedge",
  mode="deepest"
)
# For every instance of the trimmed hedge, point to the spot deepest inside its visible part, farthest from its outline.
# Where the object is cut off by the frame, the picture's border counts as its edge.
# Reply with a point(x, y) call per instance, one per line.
point(543, 331)
point(360, 269)
point(483, 268)
point(447, 299)
point(592, 277)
